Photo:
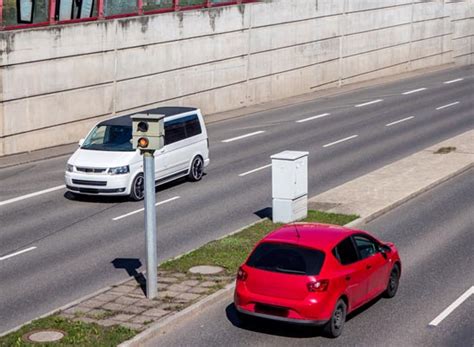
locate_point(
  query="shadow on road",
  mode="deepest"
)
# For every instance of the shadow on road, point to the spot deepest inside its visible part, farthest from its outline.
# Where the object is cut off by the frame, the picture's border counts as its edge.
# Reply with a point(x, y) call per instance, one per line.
point(131, 265)
point(264, 213)
point(276, 328)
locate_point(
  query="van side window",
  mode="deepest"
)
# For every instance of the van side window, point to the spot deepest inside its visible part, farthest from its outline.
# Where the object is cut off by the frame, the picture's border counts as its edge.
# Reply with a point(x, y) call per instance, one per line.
point(181, 128)
point(192, 125)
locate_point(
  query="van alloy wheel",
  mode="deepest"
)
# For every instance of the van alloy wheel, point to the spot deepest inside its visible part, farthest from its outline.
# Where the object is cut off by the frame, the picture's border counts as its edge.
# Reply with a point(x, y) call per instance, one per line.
point(197, 169)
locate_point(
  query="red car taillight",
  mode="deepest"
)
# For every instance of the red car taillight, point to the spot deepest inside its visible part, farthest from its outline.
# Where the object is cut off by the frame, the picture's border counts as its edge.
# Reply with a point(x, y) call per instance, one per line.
point(318, 286)
point(241, 275)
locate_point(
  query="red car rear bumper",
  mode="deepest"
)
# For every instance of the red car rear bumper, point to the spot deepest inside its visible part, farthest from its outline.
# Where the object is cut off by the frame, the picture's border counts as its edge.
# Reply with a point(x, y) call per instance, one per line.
point(310, 311)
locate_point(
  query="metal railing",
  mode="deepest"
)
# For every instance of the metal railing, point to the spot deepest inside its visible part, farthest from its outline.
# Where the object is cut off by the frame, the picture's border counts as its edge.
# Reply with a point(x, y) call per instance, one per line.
point(19, 14)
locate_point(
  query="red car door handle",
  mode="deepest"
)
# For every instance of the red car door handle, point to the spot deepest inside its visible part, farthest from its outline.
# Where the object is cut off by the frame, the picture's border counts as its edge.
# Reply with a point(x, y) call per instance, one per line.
point(348, 278)
point(369, 267)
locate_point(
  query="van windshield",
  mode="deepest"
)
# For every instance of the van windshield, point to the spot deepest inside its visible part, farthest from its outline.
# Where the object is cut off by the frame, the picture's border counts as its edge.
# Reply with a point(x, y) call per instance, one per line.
point(110, 138)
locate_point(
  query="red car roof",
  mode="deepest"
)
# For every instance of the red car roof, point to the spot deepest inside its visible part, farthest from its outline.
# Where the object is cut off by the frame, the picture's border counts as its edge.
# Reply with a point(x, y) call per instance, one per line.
point(313, 235)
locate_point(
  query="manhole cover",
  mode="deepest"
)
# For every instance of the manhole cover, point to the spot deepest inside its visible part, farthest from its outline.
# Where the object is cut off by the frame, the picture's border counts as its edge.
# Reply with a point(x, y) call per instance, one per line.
point(48, 335)
point(206, 270)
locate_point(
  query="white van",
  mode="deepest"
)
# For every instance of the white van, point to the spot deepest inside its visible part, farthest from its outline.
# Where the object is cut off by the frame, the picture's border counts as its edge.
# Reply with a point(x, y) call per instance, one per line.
point(106, 164)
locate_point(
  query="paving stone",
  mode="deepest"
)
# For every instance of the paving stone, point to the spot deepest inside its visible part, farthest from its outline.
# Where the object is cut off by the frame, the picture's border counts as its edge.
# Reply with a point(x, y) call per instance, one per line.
point(123, 289)
point(106, 297)
point(113, 307)
point(190, 283)
point(45, 336)
point(92, 303)
point(146, 303)
point(75, 310)
point(155, 312)
point(168, 279)
point(123, 317)
point(107, 322)
point(167, 294)
point(94, 313)
point(208, 284)
point(133, 326)
point(187, 297)
point(198, 290)
point(143, 319)
point(137, 291)
point(134, 309)
point(178, 275)
point(174, 307)
point(126, 300)
point(178, 288)
point(162, 285)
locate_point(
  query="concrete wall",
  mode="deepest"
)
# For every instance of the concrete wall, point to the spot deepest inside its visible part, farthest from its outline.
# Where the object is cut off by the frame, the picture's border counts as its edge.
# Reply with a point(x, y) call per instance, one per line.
point(56, 82)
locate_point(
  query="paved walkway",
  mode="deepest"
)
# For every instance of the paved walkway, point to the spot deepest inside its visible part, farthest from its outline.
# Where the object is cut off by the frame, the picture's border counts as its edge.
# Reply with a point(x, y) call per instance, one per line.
point(373, 194)
point(126, 304)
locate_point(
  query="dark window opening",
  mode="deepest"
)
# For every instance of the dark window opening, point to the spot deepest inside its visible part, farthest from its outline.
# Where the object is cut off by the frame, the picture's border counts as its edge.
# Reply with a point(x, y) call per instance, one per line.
point(365, 246)
point(345, 252)
point(284, 258)
point(181, 128)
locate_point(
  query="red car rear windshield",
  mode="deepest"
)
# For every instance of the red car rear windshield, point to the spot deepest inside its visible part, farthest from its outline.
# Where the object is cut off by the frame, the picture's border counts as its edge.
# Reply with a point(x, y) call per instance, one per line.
point(285, 258)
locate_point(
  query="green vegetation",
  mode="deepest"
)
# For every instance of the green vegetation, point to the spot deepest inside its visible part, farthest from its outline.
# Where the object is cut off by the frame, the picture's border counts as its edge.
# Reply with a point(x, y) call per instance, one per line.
point(232, 250)
point(77, 333)
point(445, 150)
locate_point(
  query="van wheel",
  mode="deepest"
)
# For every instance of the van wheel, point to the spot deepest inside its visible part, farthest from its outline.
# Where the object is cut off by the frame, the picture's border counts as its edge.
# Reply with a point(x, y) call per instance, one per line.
point(137, 192)
point(196, 170)
point(334, 327)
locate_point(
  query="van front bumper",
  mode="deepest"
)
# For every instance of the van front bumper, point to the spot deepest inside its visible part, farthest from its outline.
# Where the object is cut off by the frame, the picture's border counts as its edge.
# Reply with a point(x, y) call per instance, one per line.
point(97, 184)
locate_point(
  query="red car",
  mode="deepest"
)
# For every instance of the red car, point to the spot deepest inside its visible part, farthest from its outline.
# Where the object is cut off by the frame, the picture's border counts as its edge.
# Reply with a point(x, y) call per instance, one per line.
point(315, 274)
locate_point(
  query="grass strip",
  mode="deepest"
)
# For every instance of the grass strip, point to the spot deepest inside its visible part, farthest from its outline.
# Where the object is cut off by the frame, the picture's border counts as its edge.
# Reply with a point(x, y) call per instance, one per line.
point(231, 251)
point(77, 333)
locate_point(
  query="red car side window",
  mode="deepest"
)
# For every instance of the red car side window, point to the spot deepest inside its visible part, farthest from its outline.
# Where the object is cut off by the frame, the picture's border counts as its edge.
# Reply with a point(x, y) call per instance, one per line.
point(345, 252)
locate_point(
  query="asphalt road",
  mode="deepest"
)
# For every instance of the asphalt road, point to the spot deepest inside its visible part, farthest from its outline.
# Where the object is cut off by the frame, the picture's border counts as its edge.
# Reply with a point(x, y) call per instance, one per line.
point(434, 234)
point(69, 245)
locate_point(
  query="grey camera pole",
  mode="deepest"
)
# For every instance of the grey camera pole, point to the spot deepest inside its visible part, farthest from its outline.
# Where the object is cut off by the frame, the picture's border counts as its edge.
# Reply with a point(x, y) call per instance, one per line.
point(150, 225)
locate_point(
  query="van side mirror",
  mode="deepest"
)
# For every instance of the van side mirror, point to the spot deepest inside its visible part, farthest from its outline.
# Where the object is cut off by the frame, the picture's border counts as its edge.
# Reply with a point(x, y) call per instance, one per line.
point(81, 142)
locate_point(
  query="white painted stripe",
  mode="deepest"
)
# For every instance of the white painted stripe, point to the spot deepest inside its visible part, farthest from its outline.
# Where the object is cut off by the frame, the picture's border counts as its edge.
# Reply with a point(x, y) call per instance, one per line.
point(143, 209)
point(369, 103)
point(339, 141)
point(17, 253)
point(399, 121)
point(414, 91)
point(454, 81)
point(254, 170)
point(448, 105)
point(27, 196)
point(243, 136)
point(313, 117)
point(452, 307)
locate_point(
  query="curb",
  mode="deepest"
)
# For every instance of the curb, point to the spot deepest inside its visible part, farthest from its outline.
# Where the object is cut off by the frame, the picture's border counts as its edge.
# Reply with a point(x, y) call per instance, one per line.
point(155, 329)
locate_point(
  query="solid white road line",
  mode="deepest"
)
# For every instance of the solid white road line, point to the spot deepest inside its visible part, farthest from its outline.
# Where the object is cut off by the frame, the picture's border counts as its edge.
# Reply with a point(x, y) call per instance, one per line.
point(452, 307)
point(27, 196)
point(313, 117)
point(17, 253)
point(399, 121)
point(448, 105)
point(243, 136)
point(143, 209)
point(254, 170)
point(369, 103)
point(454, 81)
point(414, 91)
point(339, 141)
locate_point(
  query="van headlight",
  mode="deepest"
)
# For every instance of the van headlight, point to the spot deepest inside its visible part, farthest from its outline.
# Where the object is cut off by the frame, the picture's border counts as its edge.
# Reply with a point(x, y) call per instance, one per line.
point(69, 168)
point(119, 170)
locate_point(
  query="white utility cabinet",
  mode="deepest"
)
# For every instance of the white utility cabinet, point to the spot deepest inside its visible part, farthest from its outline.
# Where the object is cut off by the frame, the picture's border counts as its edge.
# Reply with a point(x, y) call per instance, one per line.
point(289, 186)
